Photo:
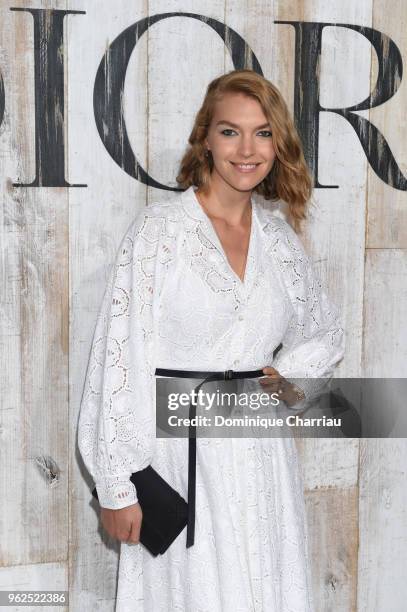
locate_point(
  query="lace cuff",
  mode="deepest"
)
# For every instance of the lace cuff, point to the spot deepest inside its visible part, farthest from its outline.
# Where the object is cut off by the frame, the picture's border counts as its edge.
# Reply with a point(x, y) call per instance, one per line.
point(312, 387)
point(116, 492)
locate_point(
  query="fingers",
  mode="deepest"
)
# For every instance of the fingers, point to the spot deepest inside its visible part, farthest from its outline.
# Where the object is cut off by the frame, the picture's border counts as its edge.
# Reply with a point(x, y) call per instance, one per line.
point(123, 533)
point(134, 536)
point(270, 371)
point(273, 382)
point(272, 378)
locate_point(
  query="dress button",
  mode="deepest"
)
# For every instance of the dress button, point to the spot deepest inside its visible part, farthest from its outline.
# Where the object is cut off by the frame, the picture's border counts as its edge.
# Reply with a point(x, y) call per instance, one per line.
point(236, 362)
point(241, 317)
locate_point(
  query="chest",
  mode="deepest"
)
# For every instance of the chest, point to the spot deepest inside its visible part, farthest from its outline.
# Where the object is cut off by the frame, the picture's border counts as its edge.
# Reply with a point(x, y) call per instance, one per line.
point(235, 245)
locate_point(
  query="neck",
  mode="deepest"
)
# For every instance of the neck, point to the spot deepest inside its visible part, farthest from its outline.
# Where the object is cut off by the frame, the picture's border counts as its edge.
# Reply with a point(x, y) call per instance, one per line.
point(221, 201)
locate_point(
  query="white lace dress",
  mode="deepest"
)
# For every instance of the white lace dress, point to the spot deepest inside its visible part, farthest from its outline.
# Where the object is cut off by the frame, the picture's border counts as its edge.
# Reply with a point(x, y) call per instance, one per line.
point(173, 301)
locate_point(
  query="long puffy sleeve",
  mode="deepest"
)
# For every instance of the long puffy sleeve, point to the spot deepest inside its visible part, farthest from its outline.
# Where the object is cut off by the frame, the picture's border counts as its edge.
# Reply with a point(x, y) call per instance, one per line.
point(314, 341)
point(116, 428)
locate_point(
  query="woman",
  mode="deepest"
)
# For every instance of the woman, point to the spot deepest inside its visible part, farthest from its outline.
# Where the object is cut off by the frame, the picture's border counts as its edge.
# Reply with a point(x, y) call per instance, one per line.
point(213, 281)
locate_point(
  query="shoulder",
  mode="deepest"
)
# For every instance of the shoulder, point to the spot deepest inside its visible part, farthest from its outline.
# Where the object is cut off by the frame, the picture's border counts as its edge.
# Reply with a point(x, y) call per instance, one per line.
point(154, 219)
point(170, 208)
point(282, 238)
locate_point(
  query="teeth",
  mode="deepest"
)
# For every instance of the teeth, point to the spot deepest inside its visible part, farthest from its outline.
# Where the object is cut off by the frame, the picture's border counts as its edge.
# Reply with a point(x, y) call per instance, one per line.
point(246, 165)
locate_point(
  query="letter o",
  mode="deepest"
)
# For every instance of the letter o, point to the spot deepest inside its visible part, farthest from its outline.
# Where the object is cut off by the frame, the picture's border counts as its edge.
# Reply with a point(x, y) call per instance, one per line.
point(110, 79)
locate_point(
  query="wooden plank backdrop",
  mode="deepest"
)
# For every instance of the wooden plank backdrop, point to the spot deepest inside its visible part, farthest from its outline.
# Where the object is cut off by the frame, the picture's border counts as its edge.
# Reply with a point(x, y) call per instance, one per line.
point(59, 241)
point(34, 314)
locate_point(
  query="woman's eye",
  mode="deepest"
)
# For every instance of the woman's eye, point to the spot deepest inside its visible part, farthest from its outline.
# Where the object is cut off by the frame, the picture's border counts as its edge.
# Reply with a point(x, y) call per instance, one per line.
point(229, 131)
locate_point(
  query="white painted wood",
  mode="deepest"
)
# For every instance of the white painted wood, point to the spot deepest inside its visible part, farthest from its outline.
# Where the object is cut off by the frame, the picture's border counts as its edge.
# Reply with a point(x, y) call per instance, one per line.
point(385, 331)
point(329, 463)
point(382, 504)
point(34, 331)
point(382, 525)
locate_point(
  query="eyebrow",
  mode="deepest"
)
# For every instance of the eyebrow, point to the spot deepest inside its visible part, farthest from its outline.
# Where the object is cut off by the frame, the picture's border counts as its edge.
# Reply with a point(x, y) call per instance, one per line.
point(223, 121)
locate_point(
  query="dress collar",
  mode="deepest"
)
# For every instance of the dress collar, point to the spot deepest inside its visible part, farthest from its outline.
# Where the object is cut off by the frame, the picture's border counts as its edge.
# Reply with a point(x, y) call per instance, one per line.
point(208, 238)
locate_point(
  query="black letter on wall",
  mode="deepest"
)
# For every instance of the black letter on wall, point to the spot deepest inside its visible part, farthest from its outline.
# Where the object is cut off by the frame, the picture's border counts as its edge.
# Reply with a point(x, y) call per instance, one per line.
point(2, 103)
point(307, 107)
point(49, 97)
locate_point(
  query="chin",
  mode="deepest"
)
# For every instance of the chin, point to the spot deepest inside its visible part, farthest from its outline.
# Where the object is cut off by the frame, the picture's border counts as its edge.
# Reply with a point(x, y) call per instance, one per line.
point(246, 183)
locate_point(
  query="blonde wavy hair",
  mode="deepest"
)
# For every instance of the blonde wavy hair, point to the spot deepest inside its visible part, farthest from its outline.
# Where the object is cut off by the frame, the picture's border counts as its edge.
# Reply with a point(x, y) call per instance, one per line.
point(289, 179)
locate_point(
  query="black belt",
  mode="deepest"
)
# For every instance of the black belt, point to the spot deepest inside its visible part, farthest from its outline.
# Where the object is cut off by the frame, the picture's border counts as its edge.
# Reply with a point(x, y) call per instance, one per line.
point(207, 376)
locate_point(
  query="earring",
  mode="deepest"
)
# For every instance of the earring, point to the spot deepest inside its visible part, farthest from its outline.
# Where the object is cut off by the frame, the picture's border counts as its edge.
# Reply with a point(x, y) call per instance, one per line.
point(206, 152)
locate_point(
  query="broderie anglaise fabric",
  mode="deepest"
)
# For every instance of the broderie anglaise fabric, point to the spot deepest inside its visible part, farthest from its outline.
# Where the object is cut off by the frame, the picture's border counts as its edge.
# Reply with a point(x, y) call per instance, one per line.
point(174, 301)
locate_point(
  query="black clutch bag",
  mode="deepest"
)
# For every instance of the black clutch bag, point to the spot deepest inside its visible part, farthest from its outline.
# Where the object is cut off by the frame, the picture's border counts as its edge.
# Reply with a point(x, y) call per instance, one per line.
point(164, 510)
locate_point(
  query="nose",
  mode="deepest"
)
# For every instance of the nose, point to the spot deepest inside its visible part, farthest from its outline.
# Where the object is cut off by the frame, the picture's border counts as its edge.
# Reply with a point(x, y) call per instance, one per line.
point(246, 145)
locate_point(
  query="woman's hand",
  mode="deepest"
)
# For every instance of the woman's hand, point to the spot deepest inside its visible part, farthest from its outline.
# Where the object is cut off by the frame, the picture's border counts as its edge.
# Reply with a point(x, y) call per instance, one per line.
point(275, 383)
point(123, 524)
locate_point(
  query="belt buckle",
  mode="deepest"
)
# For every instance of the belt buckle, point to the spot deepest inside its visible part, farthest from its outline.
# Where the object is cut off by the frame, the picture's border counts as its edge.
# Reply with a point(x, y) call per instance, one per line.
point(228, 374)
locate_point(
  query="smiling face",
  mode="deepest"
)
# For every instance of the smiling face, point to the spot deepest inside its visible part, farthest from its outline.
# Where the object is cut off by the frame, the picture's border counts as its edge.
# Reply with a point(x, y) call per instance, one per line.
point(239, 138)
